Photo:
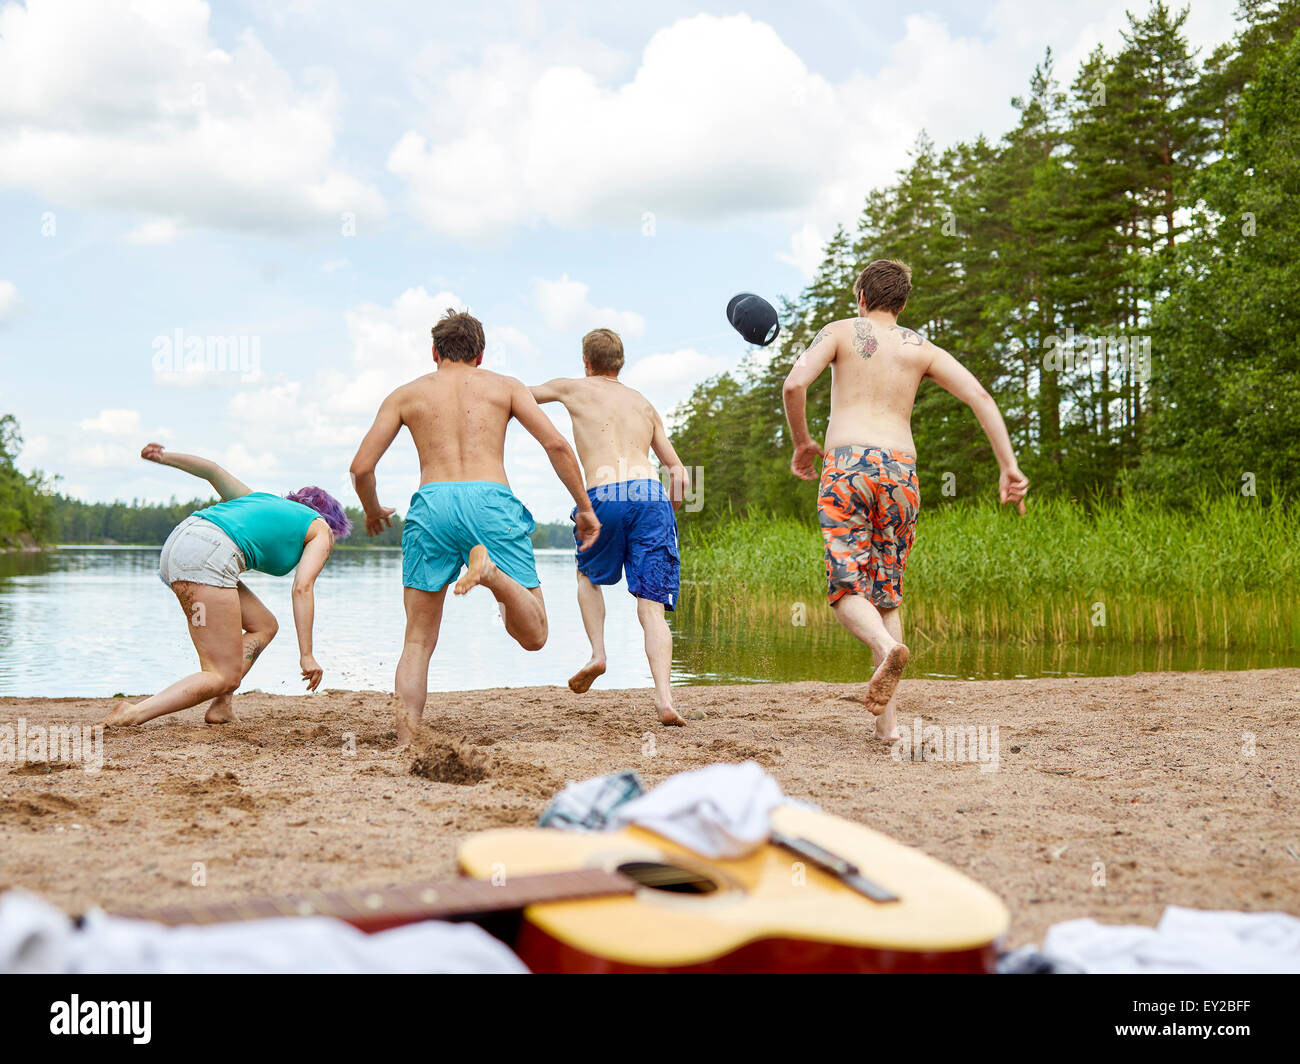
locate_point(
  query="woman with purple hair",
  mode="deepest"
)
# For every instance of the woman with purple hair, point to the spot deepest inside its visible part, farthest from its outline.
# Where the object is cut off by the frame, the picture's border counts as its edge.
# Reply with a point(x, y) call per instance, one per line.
point(202, 561)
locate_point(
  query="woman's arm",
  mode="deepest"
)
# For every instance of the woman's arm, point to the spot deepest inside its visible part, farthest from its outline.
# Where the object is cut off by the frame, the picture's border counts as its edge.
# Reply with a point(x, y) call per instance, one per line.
point(228, 486)
point(319, 544)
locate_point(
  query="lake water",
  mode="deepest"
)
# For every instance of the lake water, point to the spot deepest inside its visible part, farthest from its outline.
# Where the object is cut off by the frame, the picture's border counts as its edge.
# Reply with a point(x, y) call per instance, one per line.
point(95, 621)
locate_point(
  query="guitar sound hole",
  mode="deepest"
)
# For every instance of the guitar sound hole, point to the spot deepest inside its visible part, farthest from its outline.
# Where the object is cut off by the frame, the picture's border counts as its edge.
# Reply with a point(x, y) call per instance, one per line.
point(667, 877)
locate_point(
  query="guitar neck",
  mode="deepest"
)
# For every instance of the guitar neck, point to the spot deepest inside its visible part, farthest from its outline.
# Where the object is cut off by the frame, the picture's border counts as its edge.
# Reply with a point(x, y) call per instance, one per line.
point(372, 910)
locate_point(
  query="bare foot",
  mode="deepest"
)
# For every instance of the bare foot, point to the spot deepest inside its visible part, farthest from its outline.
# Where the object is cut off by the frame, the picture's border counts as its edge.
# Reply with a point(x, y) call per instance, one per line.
point(886, 727)
point(406, 727)
point(120, 716)
point(582, 680)
point(480, 569)
point(885, 679)
point(670, 717)
point(221, 711)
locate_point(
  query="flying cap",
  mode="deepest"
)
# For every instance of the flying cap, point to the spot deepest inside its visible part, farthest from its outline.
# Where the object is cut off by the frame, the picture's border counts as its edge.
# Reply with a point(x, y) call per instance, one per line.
point(754, 318)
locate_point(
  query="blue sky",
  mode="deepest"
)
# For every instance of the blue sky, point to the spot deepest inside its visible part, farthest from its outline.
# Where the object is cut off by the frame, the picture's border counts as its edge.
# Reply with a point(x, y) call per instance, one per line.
point(320, 179)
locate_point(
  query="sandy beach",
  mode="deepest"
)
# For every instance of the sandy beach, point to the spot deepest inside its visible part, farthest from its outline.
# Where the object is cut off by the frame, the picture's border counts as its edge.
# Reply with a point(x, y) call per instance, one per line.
point(1177, 788)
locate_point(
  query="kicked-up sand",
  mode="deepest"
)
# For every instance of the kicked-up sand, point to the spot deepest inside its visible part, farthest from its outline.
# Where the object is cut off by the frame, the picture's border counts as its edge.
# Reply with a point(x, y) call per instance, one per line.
point(1106, 797)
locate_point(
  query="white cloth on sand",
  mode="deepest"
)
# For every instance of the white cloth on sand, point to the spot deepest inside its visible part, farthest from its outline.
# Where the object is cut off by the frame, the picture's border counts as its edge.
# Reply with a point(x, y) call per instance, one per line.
point(1189, 941)
point(36, 938)
point(719, 811)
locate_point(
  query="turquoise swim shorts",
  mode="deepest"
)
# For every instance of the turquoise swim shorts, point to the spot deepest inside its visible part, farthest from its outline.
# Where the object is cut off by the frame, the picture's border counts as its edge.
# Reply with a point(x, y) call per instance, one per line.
point(447, 518)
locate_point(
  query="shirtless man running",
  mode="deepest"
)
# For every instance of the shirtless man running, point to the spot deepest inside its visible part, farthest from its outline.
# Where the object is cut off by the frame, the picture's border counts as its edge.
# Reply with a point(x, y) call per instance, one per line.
point(615, 428)
point(869, 496)
point(464, 513)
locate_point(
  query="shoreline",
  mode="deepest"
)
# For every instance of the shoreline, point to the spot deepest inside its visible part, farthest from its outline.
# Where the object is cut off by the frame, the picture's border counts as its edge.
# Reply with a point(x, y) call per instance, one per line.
point(1111, 797)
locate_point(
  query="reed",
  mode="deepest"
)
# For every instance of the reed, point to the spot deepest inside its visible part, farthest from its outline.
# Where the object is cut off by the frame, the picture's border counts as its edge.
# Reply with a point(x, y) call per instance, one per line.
point(1223, 575)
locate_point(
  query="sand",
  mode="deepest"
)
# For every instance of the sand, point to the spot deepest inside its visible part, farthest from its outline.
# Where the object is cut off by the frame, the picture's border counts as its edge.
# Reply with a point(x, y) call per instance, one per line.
point(1112, 798)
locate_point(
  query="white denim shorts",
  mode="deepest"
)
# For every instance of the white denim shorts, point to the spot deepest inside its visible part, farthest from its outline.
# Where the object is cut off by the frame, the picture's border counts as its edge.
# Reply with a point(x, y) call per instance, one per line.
point(199, 551)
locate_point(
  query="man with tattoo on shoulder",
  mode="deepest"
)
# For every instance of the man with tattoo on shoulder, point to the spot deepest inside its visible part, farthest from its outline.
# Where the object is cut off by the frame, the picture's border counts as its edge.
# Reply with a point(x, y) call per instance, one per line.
point(869, 497)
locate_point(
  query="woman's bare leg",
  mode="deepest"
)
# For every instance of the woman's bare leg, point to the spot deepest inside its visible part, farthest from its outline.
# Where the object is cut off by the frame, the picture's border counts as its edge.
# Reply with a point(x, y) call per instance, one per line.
point(259, 626)
point(213, 619)
point(423, 619)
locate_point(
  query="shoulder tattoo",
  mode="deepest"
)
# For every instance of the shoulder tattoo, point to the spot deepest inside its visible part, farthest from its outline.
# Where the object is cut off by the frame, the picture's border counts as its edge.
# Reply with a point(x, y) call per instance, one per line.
point(909, 336)
point(824, 334)
point(864, 340)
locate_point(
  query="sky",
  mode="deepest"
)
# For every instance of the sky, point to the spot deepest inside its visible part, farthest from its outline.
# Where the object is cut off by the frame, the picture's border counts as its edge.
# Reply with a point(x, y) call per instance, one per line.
point(298, 189)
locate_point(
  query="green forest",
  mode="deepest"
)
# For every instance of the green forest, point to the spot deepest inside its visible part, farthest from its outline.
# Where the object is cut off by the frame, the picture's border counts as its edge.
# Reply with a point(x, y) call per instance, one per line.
point(25, 500)
point(1119, 270)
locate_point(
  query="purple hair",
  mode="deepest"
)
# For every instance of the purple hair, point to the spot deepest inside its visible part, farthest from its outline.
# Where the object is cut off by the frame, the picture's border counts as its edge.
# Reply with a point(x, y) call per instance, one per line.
point(327, 506)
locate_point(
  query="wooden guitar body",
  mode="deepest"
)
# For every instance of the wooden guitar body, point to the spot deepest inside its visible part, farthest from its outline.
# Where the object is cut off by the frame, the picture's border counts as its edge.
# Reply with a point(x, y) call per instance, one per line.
point(768, 912)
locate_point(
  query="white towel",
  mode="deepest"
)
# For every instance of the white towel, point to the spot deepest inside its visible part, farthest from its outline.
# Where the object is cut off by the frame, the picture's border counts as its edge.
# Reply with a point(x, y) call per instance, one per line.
point(719, 811)
point(37, 938)
point(1186, 940)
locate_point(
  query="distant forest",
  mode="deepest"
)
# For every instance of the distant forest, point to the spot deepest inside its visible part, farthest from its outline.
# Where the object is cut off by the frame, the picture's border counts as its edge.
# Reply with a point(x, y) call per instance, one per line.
point(31, 515)
point(1121, 271)
point(77, 522)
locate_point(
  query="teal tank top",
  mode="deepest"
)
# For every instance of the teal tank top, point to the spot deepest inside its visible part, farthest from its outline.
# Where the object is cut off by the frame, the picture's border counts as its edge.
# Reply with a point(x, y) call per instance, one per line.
point(268, 530)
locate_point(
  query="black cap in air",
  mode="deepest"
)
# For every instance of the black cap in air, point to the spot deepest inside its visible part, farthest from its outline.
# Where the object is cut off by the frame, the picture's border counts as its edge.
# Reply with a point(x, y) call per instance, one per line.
point(754, 318)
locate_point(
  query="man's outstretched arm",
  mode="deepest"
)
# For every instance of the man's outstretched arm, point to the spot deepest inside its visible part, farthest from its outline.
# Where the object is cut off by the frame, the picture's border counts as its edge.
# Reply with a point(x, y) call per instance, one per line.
point(524, 408)
point(382, 433)
point(953, 377)
point(794, 393)
point(667, 455)
point(550, 392)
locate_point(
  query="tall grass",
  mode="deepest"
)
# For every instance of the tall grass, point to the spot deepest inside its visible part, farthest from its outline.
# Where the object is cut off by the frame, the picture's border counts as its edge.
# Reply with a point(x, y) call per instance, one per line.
point(1225, 574)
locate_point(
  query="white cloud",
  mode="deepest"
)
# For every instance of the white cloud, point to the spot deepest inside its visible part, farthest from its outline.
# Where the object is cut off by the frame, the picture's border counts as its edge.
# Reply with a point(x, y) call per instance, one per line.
point(8, 300)
point(565, 307)
point(805, 253)
point(132, 105)
point(238, 457)
point(668, 377)
point(114, 423)
point(101, 454)
point(157, 231)
point(721, 119)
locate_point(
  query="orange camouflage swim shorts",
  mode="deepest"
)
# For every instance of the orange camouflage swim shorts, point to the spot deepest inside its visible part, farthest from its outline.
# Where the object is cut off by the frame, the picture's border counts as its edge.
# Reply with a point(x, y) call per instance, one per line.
point(867, 507)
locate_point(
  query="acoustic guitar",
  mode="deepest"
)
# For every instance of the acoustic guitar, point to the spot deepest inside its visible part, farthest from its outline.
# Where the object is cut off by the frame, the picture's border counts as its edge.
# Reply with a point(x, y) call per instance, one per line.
point(825, 895)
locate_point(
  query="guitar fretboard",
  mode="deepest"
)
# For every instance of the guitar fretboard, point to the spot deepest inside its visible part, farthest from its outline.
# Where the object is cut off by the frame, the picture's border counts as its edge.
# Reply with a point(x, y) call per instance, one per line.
point(390, 906)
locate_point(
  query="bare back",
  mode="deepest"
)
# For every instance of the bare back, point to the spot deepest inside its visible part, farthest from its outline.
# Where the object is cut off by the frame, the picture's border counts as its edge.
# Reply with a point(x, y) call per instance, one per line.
point(614, 427)
point(876, 369)
point(457, 417)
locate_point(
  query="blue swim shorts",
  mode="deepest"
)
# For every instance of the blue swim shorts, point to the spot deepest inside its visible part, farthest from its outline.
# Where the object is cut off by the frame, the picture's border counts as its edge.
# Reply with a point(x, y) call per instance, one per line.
point(638, 532)
point(447, 518)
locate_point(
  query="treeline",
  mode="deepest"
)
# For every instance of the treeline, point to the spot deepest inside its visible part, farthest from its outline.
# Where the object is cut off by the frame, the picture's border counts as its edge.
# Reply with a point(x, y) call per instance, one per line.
point(1119, 270)
point(74, 521)
point(553, 534)
point(24, 497)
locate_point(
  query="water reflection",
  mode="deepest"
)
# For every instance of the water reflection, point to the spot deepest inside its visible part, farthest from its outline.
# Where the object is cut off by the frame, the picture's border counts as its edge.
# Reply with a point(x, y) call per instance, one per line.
point(96, 621)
